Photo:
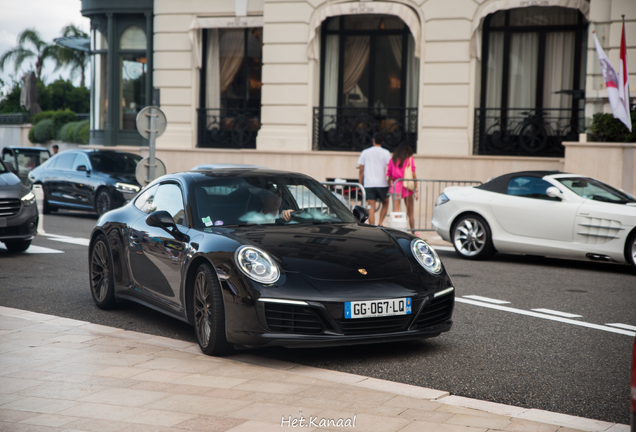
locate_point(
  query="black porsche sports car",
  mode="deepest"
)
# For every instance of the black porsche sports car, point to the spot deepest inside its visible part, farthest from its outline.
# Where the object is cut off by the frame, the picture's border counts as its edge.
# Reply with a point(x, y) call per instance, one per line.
point(256, 257)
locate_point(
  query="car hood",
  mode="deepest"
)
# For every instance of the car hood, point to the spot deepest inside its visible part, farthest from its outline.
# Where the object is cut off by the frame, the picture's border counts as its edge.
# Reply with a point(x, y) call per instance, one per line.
point(331, 251)
point(10, 186)
point(124, 178)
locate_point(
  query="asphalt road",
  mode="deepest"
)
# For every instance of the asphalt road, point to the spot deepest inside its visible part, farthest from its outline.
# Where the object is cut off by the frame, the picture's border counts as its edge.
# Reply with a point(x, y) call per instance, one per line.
point(490, 354)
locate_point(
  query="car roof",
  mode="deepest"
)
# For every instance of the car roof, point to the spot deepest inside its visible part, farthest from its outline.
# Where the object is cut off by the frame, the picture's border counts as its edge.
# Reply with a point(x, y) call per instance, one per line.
point(223, 166)
point(239, 172)
point(500, 184)
point(25, 148)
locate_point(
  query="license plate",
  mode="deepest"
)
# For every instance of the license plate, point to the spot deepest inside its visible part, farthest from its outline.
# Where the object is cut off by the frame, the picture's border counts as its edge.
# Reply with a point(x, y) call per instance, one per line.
point(378, 308)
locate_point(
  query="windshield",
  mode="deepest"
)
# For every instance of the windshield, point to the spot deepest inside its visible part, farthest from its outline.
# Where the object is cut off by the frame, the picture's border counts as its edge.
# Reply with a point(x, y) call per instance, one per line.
point(114, 163)
point(263, 200)
point(28, 160)
point(591, 189)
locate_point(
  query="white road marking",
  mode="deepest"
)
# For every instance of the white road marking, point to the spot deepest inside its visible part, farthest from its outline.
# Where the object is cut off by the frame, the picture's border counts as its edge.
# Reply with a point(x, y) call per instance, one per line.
point(623, 326)
point(548, 317)
point(38, 250)
point(67, 239)
point(444, 248)
point(553, 312)
point(486, 299)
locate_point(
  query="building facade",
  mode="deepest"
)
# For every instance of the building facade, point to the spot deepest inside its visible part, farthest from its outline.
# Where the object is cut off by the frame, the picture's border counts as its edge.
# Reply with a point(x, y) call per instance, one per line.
point(476, 87)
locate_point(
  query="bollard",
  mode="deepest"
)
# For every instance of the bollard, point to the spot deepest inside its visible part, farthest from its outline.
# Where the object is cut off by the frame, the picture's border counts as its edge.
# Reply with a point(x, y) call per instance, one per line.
point(39, 199)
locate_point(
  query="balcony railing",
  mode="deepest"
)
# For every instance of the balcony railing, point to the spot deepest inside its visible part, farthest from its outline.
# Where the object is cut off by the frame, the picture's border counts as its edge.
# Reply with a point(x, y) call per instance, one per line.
point(526, 132)
point(229, 128)
point(19, 118)
point(352, 129)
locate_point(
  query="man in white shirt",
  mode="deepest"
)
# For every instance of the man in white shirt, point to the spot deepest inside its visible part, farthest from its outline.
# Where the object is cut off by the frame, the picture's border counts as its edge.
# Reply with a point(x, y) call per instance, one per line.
point(373, 162)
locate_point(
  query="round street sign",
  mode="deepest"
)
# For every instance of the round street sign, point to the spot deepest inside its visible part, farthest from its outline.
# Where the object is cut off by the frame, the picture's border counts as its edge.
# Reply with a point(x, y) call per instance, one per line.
point(142, 171)
point(143, 121)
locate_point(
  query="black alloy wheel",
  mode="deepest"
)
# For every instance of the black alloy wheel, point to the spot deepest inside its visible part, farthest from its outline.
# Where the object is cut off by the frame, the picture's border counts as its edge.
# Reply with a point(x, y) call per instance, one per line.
point(46, 207)
point(103, 202)
point(101, 274)
point(209, 314)
point(472, 238)
point(18, 246)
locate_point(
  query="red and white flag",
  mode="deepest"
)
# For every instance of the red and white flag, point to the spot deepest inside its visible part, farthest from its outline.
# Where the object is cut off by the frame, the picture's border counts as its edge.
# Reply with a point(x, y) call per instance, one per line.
point(620, 109)
point(623, 80)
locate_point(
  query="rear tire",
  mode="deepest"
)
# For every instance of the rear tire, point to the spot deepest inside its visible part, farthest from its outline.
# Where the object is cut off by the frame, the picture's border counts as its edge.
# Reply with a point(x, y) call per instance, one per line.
point(472, 238)
point(630, 250)
point(18, 246)
point(209, 313)
point(100, 272)
point(46, 207)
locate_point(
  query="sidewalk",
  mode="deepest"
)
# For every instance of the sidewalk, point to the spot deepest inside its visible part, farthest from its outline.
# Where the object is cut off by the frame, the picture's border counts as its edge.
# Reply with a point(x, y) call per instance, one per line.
point(58, 374)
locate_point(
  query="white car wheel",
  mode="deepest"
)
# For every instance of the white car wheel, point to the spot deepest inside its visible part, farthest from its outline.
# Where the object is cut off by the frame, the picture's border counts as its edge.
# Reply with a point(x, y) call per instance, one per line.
point(630, 250)
point(471, 238)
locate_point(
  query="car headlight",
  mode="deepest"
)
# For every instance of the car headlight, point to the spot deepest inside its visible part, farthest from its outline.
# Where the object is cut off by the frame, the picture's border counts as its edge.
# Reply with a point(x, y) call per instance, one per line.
point(256, 265)
point(426, 256)
point(442, 199)
point(28, 199)
point(128, 188)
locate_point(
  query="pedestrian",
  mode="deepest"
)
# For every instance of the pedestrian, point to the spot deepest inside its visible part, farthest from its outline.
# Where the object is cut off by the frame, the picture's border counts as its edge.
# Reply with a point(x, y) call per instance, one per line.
point(55, 149)
point(373, 163)
point(401, 161)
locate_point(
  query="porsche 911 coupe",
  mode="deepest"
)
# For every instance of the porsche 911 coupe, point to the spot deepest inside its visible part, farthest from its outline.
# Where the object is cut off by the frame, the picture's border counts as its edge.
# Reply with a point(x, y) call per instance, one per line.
point(545, 213)
point(234, 253)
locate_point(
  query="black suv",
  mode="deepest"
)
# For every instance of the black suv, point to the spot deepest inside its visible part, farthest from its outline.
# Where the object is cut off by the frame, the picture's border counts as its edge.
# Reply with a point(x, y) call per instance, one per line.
point(92, 180)
point(18, 212)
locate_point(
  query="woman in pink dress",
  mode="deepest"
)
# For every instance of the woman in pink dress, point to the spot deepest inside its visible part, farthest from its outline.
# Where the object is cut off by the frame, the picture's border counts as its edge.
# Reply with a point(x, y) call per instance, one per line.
point(402, 159)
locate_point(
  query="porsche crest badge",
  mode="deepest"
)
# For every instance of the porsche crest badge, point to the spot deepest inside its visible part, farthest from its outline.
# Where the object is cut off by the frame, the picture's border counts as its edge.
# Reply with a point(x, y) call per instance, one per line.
point(363, 271)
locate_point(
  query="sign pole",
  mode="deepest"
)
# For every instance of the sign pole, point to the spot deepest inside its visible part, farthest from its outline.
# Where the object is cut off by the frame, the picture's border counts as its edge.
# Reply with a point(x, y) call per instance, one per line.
point(152, 132)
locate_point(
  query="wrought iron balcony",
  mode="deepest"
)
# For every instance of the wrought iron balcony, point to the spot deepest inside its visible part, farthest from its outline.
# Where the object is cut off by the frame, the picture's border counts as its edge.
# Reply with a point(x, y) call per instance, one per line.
point(229, 128)
point(19, 118)
point(526, 132)
point(352, 129)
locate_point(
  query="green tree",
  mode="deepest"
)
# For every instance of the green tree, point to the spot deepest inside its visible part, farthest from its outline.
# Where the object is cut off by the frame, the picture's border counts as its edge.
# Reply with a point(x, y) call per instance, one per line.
point(75, 60)
point(30, 47)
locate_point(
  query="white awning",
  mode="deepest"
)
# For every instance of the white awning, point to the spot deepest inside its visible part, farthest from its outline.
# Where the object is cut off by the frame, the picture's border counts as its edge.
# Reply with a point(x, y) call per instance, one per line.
point(199, 23)
point(405, 13)
point(484, 11)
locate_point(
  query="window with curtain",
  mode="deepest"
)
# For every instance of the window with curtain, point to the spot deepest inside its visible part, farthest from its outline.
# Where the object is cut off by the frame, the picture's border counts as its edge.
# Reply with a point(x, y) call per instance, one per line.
point(133, 75)
point(233, 68)
point(534, 59)
point(368, 61)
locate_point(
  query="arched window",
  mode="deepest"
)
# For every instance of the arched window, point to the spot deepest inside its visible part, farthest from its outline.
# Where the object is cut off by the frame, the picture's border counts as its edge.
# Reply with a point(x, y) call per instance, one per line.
point(133, 38)
point(533, 80)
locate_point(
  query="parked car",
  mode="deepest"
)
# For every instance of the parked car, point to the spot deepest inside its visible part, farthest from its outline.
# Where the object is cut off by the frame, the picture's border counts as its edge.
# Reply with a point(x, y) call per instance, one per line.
point(18, 212)
point(24, 159)
point(545, 213)
point(91, 180)
point(198, 247)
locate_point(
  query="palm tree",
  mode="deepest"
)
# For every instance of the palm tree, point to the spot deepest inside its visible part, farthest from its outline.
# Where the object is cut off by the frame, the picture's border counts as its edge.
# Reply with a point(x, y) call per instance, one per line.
point(38, 50)
point(76, 60)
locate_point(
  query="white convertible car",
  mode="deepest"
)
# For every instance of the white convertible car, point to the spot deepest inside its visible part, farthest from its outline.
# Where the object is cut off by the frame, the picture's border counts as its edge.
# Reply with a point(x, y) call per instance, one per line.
point(545, 213)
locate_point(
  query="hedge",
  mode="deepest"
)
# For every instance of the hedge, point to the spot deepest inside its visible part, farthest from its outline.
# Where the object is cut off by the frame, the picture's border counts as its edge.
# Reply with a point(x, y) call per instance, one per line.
point(606, 128)
point(80, 133)
point(43, 131)
point(58, 119)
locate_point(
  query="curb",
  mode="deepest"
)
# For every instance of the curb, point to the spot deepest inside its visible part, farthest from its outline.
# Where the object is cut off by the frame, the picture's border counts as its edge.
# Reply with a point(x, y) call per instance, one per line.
point(530, 414)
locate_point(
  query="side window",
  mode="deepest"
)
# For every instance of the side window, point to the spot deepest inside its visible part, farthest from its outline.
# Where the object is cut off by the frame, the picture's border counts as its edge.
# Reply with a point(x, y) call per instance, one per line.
point(170, 199)
point(80, 159)
point(8, 157)
point(145, 201)
point(65, 161)
point(529, 187)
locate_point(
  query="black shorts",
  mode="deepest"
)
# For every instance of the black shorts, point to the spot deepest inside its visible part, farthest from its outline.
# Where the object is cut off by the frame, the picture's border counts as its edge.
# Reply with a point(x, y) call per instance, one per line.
point(376, 193)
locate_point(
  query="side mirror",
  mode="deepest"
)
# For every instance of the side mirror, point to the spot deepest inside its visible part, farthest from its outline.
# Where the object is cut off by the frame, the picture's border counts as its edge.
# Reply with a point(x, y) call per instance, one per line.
point(11, 168)
point(82, 168)
point(360, 213)
point(162, 219)
point(554, 192)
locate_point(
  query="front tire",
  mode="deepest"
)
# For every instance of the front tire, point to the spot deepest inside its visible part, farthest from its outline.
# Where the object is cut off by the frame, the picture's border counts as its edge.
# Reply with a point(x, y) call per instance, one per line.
point(103, 202)
point(18, 246)
point(101, 273)
point(472, 238)
point(630, 250)
point(209, 313)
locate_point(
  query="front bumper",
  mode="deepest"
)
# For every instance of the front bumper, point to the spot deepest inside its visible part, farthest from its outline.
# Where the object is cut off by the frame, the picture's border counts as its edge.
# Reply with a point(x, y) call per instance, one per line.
point(22, 226)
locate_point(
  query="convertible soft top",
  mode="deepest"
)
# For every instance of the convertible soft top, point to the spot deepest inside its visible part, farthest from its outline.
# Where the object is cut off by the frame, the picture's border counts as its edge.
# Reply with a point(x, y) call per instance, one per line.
point(500, 184)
